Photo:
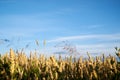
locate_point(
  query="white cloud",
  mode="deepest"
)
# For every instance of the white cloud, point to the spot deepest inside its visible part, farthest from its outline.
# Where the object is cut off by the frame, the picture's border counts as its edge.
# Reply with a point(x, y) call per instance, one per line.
point(94, 50)
point(109, 41)
point(84, 37)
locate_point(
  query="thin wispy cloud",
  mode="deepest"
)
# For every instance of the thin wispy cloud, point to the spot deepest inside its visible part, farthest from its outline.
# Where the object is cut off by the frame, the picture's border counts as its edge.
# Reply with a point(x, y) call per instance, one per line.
point(93, 26)
point(64, 11)
point(99, 45)
point(109, 41)
point(32, 24)
point(84, 37)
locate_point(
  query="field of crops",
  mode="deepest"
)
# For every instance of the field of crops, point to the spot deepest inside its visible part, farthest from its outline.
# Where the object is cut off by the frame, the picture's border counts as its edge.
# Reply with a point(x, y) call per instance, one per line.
point(17, 66)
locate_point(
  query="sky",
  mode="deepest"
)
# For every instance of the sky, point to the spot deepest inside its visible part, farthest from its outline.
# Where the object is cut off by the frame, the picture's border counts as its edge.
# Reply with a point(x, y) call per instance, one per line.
point(88, 25)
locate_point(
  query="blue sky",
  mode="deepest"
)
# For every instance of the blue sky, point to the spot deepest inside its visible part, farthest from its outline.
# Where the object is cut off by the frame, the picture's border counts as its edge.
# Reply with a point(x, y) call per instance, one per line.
point(91, 25)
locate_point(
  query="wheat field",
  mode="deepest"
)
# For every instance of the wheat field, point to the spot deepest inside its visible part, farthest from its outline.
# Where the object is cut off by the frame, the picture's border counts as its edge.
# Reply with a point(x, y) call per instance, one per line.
point(17, 66)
